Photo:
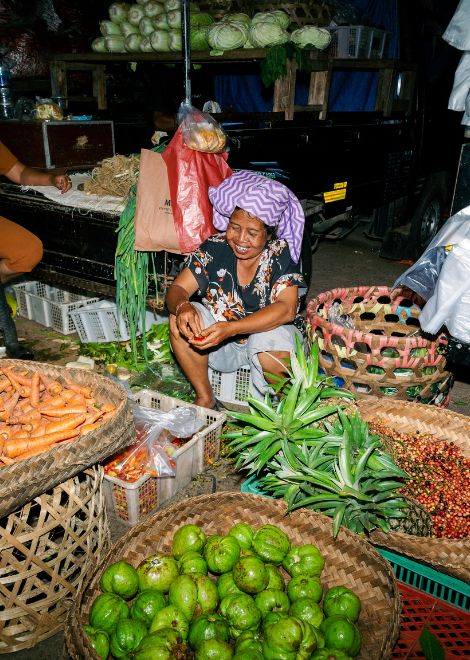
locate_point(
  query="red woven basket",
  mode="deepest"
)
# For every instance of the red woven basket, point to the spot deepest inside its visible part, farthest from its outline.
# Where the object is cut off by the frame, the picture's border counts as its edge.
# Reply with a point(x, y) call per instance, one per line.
point(383, 354)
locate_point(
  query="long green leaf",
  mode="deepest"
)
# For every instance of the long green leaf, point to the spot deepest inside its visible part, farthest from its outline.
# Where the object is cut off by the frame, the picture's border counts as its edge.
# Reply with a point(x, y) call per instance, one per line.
point(258, 422)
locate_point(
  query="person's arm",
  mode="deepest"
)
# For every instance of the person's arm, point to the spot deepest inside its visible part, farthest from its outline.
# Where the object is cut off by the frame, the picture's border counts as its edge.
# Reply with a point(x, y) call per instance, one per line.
point(27, 176)
point(278, 313)
point(178, 304)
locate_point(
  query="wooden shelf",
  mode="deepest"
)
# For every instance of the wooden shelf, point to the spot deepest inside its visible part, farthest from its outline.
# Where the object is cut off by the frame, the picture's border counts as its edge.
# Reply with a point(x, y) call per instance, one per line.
point(284, 89)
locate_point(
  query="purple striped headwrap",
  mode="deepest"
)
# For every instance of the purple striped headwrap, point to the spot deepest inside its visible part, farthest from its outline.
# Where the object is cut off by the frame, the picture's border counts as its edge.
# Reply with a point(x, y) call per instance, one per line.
point(270, 201)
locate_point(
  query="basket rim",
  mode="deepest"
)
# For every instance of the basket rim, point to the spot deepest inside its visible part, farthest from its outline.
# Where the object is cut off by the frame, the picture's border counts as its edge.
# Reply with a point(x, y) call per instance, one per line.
point(132, 542)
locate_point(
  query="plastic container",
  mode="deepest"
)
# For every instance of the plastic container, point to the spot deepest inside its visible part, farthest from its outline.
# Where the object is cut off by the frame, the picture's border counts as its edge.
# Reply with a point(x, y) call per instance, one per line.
point(100, 322)
point(232, 387)
point(48, 305)
point(450, 625)
point(132, 501)
point(357, 41)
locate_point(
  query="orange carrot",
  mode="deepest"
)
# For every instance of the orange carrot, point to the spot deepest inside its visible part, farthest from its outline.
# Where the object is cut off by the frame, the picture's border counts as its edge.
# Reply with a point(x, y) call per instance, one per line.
point(34, 395)
point(52, 401)
point(35, 452)
point(107, 407)
point(69, 422)
point(92, 417)
point(61, 412)
point(6, 460)
point(21, 378)
point(10, 404)
point(108, 415)
point(66, 395)
point(26, 418)
point(4, 384)
point(14, 447)
point(85, 391)
point(11, 377)
point(24, 391)
point(52, 386)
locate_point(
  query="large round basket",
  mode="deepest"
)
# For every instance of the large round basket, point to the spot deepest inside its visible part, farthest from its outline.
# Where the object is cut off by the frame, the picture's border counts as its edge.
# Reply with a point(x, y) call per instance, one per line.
point(349, 561)
point(382, 355)
point(48, 547)
point(446, 555)
point(22, 481)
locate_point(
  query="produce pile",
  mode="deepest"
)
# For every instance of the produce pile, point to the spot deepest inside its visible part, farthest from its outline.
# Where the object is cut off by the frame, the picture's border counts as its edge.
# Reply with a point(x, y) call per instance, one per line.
point(438, 478)
point(38, 413)
point(305, 449)
point(153, 26)
point(248, 595)
point(114, 176)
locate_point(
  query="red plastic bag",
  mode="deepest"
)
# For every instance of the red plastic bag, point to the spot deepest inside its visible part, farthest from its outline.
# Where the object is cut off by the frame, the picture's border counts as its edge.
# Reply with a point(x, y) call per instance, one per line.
point(190, 174)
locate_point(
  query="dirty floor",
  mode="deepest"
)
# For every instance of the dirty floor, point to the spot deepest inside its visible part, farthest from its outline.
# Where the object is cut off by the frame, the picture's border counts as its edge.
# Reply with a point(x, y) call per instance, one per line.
point(352, 261)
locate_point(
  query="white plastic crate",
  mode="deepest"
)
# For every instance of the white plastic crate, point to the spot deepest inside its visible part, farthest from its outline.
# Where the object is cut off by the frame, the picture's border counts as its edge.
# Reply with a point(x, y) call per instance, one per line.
point(100, 322)
point(233, 387)
point(49, 305)
point(357, 41)
point(131, 501)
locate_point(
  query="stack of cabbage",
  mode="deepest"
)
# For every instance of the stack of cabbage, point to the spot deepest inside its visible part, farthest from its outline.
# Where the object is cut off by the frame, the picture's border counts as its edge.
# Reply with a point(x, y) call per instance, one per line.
point(155, 26)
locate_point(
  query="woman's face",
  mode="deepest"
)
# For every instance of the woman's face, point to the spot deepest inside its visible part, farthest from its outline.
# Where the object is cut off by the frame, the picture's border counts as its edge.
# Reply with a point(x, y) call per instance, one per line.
point(246, 235)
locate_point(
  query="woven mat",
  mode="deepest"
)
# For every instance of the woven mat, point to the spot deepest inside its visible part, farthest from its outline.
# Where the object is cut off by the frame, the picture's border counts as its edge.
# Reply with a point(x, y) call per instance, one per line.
point(80, 199)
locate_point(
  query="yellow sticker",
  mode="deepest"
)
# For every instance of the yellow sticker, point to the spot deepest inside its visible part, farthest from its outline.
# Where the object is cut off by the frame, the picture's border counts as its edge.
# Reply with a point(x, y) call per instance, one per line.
point(338, 192)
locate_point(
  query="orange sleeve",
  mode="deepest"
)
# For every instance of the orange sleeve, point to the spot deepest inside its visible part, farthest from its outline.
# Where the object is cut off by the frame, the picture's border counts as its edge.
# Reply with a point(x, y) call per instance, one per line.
point(7, 159)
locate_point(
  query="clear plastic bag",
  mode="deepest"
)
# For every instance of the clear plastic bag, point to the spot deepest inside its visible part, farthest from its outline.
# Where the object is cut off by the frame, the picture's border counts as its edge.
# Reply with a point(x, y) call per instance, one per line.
point(182, 422)
point(422, 276)
point(335, 315)
point(201, 131)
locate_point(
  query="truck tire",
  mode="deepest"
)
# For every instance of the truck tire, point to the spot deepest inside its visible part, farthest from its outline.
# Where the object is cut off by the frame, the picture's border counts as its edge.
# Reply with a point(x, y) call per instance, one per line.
point(430, 213)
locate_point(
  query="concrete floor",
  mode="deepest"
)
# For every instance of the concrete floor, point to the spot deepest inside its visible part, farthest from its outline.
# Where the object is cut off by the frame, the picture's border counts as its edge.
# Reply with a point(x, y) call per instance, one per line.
point(352, 261)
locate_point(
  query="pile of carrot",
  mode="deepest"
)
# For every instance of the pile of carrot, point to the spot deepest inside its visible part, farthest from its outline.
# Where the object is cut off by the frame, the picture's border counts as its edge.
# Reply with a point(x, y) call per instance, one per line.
point(38, 412)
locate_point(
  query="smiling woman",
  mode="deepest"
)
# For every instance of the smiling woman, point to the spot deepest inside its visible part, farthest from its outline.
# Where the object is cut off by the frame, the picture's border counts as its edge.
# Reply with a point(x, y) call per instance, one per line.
point(248, 281)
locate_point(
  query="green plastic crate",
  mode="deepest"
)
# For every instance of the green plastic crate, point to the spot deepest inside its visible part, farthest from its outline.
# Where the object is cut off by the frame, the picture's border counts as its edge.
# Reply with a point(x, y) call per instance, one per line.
point(417, 575)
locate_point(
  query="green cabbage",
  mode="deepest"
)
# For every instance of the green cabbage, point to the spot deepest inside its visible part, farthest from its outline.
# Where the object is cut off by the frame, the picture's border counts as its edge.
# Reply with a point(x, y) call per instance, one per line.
point(273, 16)
point(200, 19)
point(311, 35)
point(135, 14)
point(267, 34)
point(198, 37)
point(174, 19)
point(175, 43)
point(118, 11)
point(133, 42)
point(172, 5)
point(108, 28)
point(145, 45)
point(127, 28)
point(153, 8)
point(161, 22)
point(160, 41)
point(146, 26)
point(115, 44)
point(240, 17)
point(98, 45)
point(227, 35)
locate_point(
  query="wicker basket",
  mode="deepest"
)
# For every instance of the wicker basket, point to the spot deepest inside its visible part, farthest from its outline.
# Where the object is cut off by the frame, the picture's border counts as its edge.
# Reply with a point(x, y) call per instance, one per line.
point(47, 549)
point(379, 356)
point(22, 481)
point(446, 555)
point(313, 12)
point(349, 561)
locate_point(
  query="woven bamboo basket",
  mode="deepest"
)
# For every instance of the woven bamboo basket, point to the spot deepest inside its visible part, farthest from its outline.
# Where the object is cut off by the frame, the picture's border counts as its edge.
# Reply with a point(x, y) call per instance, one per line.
point(22, 481)
point(312, 12)
point(381, 356)
point(48, 547)
point(349, 561)
point(446, 555)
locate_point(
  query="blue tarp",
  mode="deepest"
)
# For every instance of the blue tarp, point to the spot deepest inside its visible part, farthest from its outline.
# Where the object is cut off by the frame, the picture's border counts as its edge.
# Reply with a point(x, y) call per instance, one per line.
point(350, 91)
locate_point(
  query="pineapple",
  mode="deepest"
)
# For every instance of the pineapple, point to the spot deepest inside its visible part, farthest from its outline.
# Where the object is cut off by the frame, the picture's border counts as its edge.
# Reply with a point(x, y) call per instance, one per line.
point(418, 521)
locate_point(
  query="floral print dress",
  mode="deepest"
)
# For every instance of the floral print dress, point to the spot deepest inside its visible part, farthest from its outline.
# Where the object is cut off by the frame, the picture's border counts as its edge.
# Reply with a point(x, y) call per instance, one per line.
point(214, 265)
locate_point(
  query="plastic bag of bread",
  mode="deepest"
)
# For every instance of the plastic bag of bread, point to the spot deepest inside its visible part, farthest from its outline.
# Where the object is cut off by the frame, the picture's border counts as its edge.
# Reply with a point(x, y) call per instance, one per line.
point(46, 109)
point(201, 132)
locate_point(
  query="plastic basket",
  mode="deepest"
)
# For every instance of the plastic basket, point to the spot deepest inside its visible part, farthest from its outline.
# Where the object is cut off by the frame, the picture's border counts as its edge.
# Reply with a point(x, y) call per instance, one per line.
point(450, 625)
point(100, 323)
point(357, 41)
point(233, 387)
point(131, 501)
point(48, 305)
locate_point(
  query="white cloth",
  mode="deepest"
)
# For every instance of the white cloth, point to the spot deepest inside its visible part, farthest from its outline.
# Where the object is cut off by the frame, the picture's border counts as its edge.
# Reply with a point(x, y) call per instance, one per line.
point(80, 199)
point(457, 34)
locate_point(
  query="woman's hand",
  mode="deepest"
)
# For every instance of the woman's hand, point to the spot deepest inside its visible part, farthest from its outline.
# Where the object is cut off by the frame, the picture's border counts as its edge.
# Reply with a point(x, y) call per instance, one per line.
point(188, 321)
point(62, 182)
point(212, 336)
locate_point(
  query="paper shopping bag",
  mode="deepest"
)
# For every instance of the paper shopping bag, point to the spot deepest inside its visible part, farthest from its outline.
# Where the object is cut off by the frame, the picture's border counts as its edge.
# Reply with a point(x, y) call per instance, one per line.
point(154, 225)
